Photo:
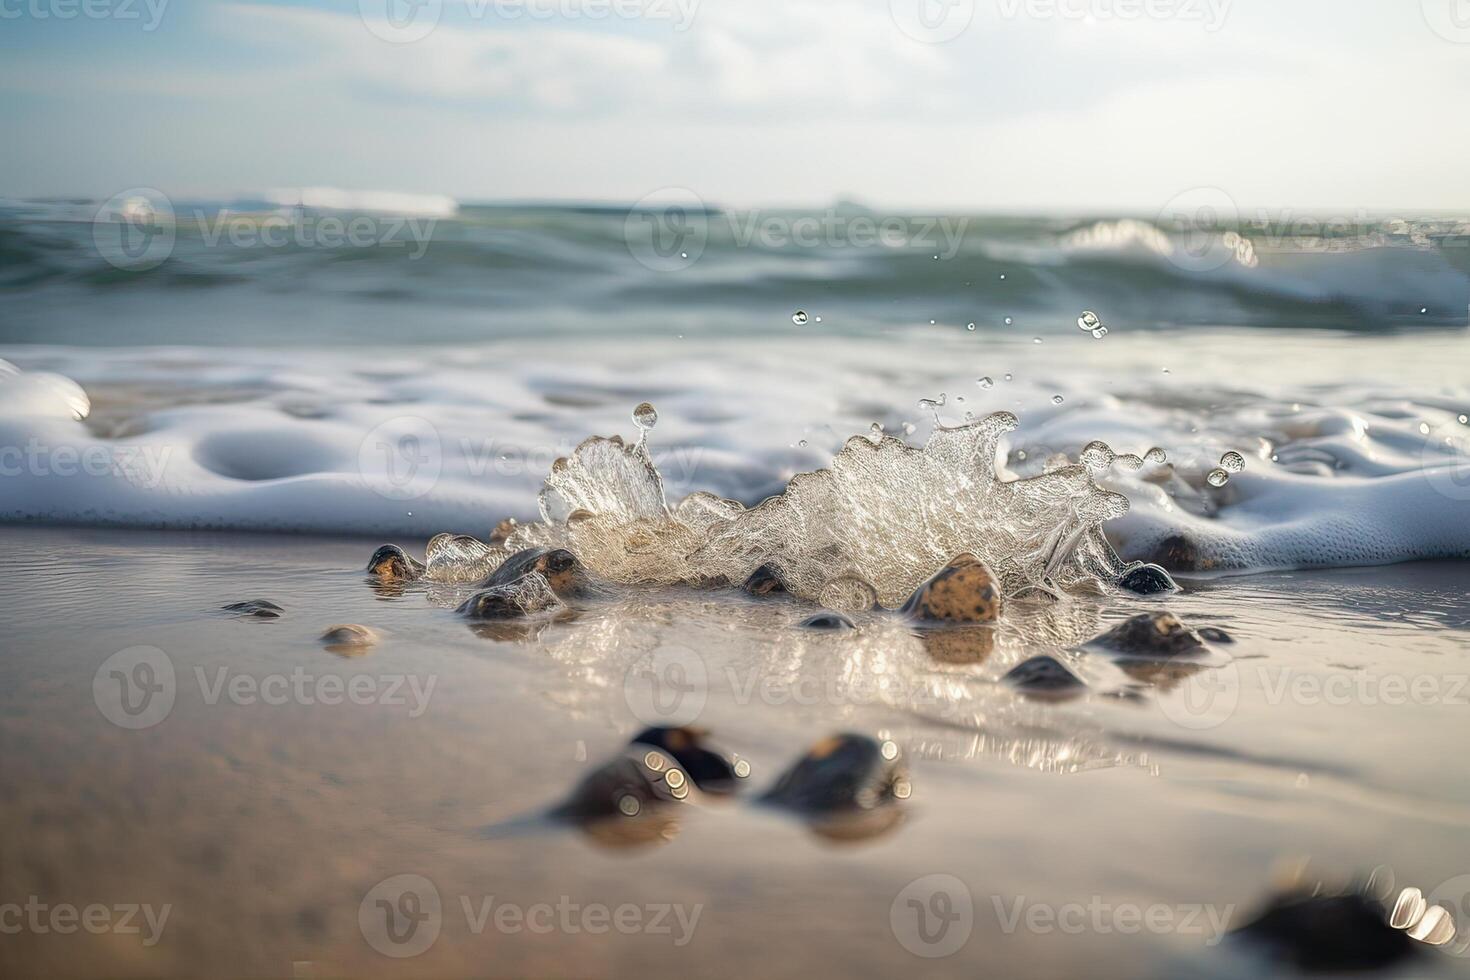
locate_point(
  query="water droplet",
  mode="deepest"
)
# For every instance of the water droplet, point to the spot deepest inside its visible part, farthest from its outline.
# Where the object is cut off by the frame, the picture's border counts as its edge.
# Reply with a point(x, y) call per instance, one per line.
point(988, 382)
point(1088, 321)
point(1423, 309)
point(1057, 399)
point(1009, 321)
point(1021, 454)
point(1165, 370)
point(959, 398)
point(969, 326)
point(799, 317)
point(931, 323)
point(683, 255)
point(908, 428)
point(1008, 375)
point(1099, 333)
point(629, 805)
point(644, 416)
point(1464, 419)
point(801, 443)
point(1002, 275)
point(1156, 455)
point(818, 319)
point(875, 432)
point(1232, 462)
point(1217, 478)
point(1036, 340)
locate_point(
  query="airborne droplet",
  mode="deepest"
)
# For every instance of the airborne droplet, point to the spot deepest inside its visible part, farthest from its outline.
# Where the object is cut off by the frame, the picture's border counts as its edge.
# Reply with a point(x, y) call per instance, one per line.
point(985, 382)
point(799, 317)
point(1057, 399)
point(644, 416)
point(1232, 462)
point(1156, 455)
point(1088, 321)
point(1217, 478)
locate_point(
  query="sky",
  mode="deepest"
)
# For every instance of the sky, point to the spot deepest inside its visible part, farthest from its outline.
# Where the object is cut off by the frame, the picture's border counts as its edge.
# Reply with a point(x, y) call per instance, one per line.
point(1103, 105)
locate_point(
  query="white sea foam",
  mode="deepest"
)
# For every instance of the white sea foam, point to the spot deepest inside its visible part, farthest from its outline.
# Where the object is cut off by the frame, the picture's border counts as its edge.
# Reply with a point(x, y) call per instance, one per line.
point(393, 444)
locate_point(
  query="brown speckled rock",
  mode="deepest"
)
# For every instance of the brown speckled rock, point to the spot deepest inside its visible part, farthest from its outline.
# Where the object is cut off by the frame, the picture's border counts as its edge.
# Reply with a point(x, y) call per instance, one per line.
point(964, 591)
point(1159, 634)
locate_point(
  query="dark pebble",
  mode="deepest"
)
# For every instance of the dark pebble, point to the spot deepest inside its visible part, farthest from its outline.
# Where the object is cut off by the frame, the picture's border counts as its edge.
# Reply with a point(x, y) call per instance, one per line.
point(828, 620)
point(1147, 580)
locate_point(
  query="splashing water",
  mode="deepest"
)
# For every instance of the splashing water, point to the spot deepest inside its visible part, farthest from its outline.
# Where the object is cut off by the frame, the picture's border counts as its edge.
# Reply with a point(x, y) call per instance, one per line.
point(867, 530)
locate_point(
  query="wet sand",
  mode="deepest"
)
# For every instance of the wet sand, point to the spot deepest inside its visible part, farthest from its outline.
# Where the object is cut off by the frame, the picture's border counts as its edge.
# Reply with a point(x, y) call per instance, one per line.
point(266, 820)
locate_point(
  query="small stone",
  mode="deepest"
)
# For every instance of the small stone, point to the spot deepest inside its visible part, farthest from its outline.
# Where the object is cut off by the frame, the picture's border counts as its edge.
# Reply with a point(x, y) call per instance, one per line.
point(1215, 635)
point(963, 591)
point(1158, 634)
point(255, 608)
point(1337, 933)
point(1044, 675)
point(641, 778)
point(764, 581)
point(503, 531)
point(349, 638)
point(843, 773)
point(559, 567)
point(526, 596)
point(1147, 580)
point(713, 770)
point(392, 564)
point(828, 620)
